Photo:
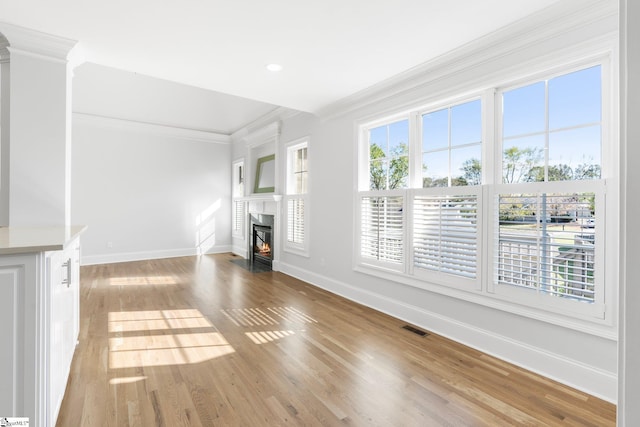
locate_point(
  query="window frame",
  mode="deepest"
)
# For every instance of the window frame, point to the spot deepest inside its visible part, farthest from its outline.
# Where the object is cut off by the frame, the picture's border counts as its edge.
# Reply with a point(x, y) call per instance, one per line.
point(238, 184)
point(595, 311)
point(291, 195)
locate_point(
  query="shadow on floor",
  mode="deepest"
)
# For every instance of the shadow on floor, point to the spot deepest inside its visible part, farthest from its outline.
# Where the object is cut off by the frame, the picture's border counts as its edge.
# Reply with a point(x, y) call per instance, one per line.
point(256, 267)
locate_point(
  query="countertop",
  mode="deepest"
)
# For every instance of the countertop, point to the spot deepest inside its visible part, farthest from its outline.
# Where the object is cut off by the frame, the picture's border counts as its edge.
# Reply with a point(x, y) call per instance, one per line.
point(20, 240)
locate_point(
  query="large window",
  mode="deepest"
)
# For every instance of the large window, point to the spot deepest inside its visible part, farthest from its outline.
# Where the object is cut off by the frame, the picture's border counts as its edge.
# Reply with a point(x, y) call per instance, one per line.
point(531, 230)
point(296, 199)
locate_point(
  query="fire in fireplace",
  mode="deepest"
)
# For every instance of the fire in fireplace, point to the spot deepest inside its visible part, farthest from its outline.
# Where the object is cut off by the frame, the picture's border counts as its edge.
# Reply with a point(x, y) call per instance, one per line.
point(262, 243)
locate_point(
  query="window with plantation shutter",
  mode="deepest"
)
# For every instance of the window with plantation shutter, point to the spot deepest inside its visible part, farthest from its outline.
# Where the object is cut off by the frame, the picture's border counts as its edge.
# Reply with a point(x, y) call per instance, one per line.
point(445, 234)
point(382, 229)
point(296, 199)
point(237, 205)
point(506, 197)
point(550, 207)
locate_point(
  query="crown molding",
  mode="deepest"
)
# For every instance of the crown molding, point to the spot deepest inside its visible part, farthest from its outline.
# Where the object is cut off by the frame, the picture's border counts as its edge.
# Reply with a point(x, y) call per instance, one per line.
point(566, 17)
point(192, 135)
point(36, 43)
point(278, 114)
point(263, 135)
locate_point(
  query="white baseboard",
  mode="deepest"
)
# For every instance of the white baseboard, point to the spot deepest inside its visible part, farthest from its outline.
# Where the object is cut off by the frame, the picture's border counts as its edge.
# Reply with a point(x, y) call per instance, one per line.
point(140, 256)
point(592, 380)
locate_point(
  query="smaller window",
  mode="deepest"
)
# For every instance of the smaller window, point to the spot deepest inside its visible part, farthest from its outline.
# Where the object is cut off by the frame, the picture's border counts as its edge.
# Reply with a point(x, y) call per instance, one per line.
point(296, 199)
point(238, 205)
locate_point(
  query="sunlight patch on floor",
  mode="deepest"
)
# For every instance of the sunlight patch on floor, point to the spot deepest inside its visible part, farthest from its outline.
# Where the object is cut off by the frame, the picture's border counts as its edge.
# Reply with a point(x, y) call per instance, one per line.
point(132, 321)
point(131, 344)
point(263, 337)
point(142, 281)
point(249, 317)
point(126, 380)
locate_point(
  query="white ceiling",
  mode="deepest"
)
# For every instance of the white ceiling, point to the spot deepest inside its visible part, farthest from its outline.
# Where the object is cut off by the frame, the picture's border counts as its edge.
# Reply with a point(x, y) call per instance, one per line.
point(329, 49)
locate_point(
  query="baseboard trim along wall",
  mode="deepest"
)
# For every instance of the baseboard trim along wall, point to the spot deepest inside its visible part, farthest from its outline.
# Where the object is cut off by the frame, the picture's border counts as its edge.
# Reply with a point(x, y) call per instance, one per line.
point(592, 380)
point(141, 256)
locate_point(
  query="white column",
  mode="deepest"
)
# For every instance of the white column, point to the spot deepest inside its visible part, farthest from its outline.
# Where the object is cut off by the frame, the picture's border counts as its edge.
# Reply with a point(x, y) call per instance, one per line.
point(36, 83)
point(4, 132)
point(629, 336)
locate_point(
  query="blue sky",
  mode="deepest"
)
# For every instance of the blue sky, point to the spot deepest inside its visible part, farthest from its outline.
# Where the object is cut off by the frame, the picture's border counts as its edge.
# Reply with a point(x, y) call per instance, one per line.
point(574, 102)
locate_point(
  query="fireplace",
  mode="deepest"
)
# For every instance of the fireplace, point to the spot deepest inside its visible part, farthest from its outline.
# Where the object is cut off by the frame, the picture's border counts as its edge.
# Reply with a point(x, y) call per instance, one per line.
point(262, 239)
point(262, 244)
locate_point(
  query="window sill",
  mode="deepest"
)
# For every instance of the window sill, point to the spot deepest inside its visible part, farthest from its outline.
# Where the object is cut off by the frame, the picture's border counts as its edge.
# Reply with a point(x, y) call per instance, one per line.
point(557, 316)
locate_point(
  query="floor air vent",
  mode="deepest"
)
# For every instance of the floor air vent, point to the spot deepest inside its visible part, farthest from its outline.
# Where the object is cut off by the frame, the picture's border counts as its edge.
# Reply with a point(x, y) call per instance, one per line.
point(415, 330)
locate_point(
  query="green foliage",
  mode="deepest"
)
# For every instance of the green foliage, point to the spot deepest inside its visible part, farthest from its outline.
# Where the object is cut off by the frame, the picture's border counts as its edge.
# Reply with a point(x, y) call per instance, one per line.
point(512, 209)
point(399, 167)
point(472, 172)
point(555, 173)
point(388, 173)
point(587, 171)
point(377, 170)
point(518, 163)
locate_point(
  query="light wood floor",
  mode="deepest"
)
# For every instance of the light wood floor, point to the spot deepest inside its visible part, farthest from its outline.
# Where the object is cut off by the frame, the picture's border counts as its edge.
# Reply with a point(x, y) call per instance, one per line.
point(200, 341)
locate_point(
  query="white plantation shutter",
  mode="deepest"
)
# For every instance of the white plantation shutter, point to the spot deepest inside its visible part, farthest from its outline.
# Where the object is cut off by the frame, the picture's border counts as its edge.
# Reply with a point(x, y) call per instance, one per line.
point(445, 234)
point(238, 217)
point(295, 220)
point(382, 229)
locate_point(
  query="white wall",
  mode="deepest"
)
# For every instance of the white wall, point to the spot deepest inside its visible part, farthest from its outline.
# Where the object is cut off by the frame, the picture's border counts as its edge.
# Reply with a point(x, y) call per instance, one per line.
point(147, 190)
point(581, 359)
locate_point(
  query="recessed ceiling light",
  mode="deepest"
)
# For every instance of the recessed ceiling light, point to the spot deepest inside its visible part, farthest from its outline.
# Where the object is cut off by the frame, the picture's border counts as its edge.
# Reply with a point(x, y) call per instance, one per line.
point(274, 67)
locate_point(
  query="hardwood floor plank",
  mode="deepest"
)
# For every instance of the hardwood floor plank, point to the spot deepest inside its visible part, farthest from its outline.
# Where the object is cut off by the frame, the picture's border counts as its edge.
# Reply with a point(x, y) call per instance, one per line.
point(199, 341)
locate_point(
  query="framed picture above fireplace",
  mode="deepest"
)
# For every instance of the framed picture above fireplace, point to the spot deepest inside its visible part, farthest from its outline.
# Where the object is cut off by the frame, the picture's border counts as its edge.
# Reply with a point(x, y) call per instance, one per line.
point(265, 174)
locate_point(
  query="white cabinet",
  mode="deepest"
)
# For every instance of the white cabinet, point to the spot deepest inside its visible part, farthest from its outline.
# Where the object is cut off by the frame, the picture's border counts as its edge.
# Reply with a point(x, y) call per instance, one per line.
point(39, 325)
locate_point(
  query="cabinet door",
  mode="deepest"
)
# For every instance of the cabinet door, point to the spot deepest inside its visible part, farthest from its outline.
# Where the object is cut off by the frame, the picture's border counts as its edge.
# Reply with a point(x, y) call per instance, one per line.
point(18, 293)
point(62, 325)
point(12, 329)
